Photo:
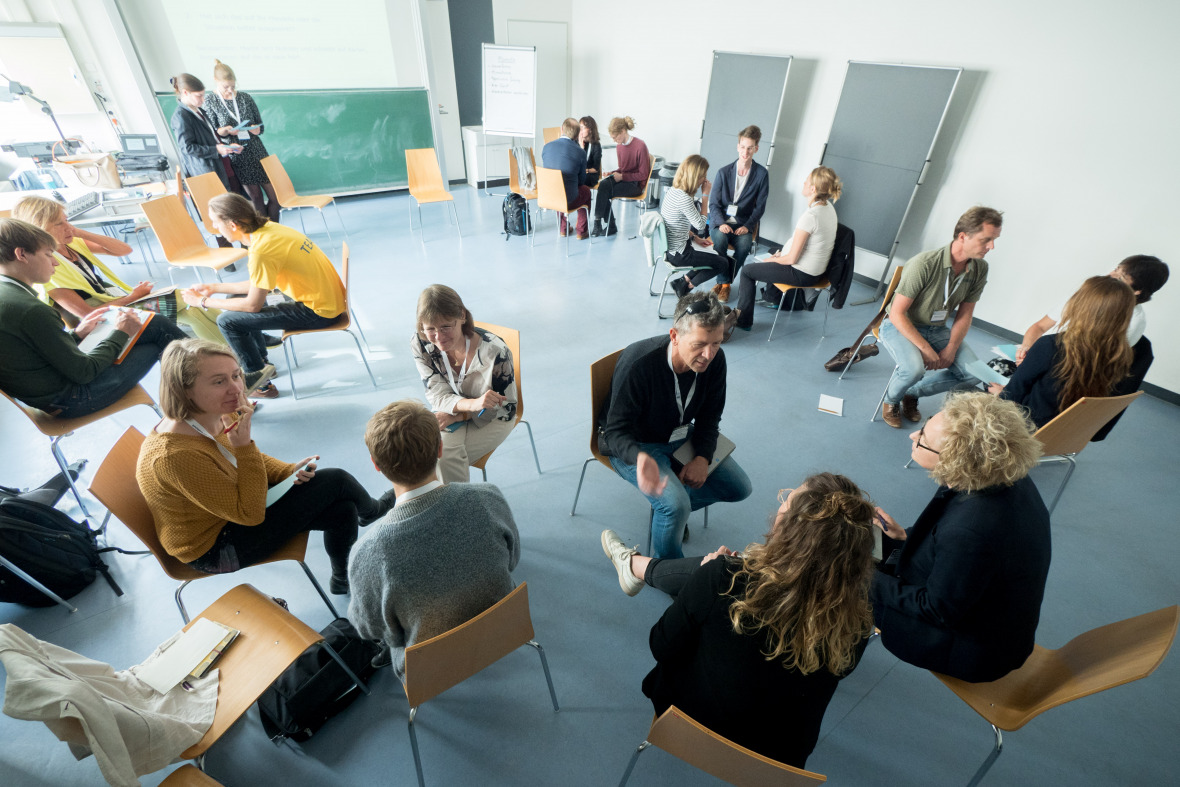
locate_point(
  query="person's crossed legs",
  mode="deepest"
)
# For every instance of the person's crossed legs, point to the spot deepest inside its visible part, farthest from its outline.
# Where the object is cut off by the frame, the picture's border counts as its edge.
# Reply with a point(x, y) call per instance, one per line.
point(911, 377)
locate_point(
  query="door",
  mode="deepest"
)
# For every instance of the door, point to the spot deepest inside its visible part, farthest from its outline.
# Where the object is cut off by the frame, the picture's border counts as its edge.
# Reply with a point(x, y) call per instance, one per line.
point(437, 23)
point(550, 39)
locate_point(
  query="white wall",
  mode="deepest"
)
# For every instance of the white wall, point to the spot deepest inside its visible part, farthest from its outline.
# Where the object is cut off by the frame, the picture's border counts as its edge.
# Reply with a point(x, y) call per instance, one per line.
point(1066, 121)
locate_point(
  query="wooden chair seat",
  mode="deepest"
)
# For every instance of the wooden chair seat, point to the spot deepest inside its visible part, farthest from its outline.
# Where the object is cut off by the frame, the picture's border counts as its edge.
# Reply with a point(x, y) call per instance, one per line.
point(217, 259)
point(822, 284)
point(317, 201)
point(426, 196)
point(427, 186)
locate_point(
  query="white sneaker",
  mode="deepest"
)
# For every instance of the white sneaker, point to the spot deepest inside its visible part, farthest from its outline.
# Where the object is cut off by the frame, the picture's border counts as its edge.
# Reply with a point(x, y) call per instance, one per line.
point(620, 554)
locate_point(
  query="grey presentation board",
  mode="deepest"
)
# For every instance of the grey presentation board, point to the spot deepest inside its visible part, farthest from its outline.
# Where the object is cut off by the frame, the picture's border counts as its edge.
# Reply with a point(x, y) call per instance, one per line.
point(885, 127)
point(743, 90)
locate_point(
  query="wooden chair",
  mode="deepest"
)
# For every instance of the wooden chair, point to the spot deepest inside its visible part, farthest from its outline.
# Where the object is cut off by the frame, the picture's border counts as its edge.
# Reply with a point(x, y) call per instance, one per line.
point(271, 639)
point(551, 133)
point(181, 240)
point(426, 184)
point(289, 200)
point(115, 486)
point(57, 428)
point(1095, 661)
point(678, 734)
point(511, 338)
point(786, 290)
point(201, 189)
point(1065, 436)
point(343, 323)
point(551, 196)
point(437, 664)
point(640, 199)
point(602, 373)
point(189, 775)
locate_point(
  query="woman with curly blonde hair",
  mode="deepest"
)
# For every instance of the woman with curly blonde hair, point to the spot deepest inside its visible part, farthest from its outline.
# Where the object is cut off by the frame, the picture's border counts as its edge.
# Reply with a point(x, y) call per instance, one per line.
point(766, 634)
point(961, 594)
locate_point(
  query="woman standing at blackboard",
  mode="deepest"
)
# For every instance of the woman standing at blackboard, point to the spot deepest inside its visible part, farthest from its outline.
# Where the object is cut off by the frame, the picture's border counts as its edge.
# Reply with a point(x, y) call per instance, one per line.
point(196, 138)
point(230, 110)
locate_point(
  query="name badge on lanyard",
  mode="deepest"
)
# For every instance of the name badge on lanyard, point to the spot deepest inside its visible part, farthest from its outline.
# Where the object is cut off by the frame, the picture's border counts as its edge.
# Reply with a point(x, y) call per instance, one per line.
point(680, 432)
point(939, 315)
point(233, 460)
point(462, 370)
point(236, 115)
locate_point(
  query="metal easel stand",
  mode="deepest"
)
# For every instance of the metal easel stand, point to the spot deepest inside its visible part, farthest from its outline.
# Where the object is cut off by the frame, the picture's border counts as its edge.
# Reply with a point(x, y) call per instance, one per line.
point(880, 290)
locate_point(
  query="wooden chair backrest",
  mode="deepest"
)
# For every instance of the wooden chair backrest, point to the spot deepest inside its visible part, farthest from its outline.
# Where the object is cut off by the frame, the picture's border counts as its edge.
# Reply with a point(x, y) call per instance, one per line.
point(437, 664)
point(893, 282)
point(551, 133)
point(55, 427)
point(511, 338)
point(271, 639)
point(681, 736)
point(602, 373)
point(1099, 659)
point(422, 170)
point(115, 487)
point(1072, 429)
point(175, 229)
point(277, 174)
point(203, 188)
point(5, 214)
point(551, 190)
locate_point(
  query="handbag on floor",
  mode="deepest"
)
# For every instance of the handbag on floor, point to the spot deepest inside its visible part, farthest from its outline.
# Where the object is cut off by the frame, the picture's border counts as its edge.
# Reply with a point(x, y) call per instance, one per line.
point(315, 688)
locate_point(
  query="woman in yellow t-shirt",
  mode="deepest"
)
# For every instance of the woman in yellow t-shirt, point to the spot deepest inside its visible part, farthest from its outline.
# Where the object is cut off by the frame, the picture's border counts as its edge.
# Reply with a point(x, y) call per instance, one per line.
point(280, 258)
point(81, 282)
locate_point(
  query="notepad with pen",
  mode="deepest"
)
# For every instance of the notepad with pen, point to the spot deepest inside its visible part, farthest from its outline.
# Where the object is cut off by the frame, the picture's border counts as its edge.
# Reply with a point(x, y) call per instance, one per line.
point(189, 654)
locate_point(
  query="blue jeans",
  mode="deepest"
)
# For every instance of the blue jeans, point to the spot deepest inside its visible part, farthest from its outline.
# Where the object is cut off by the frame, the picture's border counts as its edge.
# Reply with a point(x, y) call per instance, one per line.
point(113, 382)
point(243, 330)
point(741, 245)
point(727, 484)
point(911, 377)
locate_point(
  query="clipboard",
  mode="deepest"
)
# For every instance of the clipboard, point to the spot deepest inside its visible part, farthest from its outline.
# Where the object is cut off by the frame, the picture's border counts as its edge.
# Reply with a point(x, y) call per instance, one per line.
point(686, 453)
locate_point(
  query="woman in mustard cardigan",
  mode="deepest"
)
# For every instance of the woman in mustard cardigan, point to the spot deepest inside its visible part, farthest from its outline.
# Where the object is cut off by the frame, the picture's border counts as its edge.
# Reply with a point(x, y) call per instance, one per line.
point(206, 483)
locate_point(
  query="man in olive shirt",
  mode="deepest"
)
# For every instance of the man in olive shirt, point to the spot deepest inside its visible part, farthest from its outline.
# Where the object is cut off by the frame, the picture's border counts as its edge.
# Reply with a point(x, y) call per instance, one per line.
point(933, 285)
point(43, 366)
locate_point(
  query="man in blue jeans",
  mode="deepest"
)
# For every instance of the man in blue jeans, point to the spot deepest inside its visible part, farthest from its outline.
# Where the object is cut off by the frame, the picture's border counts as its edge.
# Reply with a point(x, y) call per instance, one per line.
point(666, 391)
point(933, 285)
point(736, 204)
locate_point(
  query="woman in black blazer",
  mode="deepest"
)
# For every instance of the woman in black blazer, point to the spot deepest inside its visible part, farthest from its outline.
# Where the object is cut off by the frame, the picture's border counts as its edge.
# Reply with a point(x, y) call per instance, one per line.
point(588, 141)
point(961, 594)
point(200, 151)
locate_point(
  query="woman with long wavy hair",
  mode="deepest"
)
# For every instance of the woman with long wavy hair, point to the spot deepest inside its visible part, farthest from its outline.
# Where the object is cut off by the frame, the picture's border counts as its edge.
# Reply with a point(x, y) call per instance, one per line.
point(1088, 356)
point(755, 643)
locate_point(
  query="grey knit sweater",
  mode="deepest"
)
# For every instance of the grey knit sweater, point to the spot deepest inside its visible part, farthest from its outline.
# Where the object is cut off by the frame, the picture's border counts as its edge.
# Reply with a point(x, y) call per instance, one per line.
point(431, 564)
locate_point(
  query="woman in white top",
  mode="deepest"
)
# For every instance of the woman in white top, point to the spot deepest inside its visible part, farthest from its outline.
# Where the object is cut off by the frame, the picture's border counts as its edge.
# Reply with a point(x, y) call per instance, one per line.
point(681, 216)
point(805, 261)
point(469, 381)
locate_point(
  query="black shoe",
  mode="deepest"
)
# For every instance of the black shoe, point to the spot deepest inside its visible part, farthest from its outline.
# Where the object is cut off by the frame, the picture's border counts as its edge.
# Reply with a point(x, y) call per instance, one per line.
point(383, 658)
point(684, 540)
point(611, 229)
point(272, 340)
point(680, 287)
point(597, 230)
point(384, 503)
point(338, 586)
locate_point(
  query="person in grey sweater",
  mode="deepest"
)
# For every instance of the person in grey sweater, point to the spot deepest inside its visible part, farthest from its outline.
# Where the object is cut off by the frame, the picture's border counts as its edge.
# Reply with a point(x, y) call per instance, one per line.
point(442, 555)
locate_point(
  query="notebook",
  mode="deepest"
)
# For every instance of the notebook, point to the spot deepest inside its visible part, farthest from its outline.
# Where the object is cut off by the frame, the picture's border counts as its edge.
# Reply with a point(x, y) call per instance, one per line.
point(686, 453)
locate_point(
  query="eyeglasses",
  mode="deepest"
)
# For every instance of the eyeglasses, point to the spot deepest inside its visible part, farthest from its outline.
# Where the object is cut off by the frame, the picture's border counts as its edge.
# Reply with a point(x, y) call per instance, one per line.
point(700, 306)
point(921, 434)
point(783, 494)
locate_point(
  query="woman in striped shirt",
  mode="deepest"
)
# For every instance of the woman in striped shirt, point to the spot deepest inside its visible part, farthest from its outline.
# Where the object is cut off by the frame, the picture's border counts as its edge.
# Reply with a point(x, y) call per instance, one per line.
point(681, 216)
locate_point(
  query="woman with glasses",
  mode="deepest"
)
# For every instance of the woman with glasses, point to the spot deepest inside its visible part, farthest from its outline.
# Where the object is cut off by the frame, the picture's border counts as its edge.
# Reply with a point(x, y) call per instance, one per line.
point(961, 592)
point(468, 377)
point(768, 633)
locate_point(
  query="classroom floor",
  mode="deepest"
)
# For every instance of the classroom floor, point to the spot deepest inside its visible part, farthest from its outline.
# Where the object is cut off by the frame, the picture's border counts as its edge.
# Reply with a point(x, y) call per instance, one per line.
point(1115, 545)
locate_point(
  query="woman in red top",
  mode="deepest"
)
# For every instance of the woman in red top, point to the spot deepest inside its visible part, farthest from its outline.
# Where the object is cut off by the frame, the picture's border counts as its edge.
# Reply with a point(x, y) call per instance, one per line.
point(627, 181)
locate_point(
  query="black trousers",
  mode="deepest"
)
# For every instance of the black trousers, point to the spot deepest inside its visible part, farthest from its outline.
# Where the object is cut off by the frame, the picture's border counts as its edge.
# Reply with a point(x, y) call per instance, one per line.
point(609, 189)
point(772, 272)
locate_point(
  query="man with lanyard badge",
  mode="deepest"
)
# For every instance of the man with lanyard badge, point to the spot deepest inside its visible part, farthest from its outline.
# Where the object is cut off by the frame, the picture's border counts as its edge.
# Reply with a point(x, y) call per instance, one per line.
point(933, 285)
point(736, 205)
point(667, 390)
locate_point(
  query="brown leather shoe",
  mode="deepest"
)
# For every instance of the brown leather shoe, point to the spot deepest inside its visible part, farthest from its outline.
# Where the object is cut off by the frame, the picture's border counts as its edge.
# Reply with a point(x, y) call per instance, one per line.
point(722, 292)
point(909, 408)
point(891, 414)
point(583, 235)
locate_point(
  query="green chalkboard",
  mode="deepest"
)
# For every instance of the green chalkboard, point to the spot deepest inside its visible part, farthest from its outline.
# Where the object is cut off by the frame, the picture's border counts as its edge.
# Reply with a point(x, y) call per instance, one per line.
point(339, 141)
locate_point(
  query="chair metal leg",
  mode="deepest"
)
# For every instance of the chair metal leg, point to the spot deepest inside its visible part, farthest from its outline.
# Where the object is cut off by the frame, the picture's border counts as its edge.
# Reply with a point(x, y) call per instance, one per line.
point(458, 227)
point(651, 520)
point(180, 602)
point(364, 360)
point(421, 226)
point(484, 470)
point(651, 285)
point(414, 746)
point(60, 458)
point(360, 684)
point(410, 216)
point(324, 219)
point(340, 218)
point(991, 758)
point(585, 464)
point(548, 677)
point(848, 365)
point(706, 517)
point(20, 573)
point(315, 583)
point(302, 226)
point(877, 409)
point(1068, 472)
point(290, 367)
point(357, 323)
point(907, 465)
point(777, 312)
point(827, 308)
point(631, 765)
point(536, 459)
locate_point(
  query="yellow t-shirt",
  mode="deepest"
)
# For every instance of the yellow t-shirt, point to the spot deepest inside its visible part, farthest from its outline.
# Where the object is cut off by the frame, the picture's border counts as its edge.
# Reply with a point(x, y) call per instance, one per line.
point(283, 258)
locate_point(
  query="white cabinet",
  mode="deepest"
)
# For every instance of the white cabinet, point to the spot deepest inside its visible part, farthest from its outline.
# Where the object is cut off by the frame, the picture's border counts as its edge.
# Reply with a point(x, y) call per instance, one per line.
point(494, 165)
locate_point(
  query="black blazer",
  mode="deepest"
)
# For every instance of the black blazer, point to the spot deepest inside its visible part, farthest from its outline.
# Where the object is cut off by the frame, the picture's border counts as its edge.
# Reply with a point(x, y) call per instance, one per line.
point(197, 145)
point(594, 161)
point(965, 596)
point(841, 265)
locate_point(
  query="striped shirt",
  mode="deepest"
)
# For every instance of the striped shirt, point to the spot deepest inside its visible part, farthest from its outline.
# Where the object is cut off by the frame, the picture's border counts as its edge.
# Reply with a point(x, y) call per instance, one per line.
point(680, 213)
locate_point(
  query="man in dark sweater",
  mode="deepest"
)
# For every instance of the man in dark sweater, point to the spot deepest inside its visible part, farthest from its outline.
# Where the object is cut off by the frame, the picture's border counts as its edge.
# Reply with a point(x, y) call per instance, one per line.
point(441, 556)
point(566, 155)
point(668, 390)
point(43, 364)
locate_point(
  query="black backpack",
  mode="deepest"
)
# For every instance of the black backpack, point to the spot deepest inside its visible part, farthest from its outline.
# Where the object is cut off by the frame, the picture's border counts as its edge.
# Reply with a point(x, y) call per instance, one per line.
point(61, 554)
point(315, 688)
point(516, 215)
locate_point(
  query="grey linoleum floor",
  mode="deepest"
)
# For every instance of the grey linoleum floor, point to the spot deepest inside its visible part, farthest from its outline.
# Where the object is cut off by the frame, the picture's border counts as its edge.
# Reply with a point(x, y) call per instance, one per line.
point(1115, 544)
